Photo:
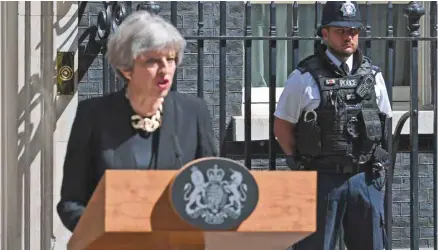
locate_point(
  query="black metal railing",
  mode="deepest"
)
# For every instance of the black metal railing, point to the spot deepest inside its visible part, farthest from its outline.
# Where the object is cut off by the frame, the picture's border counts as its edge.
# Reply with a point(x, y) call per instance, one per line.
point(115, 12)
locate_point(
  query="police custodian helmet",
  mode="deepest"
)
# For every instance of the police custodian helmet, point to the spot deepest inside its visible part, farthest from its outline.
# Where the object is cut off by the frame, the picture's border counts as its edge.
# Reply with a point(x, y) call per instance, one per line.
point(340, 14)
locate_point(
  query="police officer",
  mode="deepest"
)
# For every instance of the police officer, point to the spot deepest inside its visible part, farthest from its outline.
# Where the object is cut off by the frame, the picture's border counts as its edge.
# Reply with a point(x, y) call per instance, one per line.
point(331, 118)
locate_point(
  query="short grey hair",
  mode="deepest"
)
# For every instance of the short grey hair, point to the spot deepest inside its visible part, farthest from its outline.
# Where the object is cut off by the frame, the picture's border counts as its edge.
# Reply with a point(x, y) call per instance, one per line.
point(141, 32)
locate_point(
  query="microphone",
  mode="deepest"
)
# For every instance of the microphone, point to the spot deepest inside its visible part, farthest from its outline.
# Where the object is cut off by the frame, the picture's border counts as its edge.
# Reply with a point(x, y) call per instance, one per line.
point(178, 151)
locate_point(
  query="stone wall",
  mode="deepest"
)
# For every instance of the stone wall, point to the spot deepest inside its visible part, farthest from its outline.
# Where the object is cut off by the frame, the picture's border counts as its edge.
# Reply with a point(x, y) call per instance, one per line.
point(401, 200)
point(91, 85)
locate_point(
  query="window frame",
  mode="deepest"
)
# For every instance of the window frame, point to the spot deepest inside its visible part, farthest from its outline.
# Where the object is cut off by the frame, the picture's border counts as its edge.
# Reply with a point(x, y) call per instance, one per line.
point(260, 98)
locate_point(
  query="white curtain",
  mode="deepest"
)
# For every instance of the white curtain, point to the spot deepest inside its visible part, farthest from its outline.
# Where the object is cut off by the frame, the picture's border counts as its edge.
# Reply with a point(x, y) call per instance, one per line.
point(306, 23)
point(260, 16)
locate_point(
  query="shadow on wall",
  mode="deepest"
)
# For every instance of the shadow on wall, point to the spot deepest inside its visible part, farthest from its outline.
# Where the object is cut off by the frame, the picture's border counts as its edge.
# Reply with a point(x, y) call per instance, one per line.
point(88, 46)
point(38, 113)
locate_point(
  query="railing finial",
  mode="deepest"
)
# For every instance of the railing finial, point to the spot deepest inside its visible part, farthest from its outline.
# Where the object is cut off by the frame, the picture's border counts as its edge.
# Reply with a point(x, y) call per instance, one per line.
point(115, 12)
point(150, 6)
point(414, 11)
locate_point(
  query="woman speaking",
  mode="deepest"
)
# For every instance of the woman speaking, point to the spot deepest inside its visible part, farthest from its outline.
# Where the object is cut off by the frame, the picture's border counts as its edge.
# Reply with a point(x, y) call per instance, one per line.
point(143, 126)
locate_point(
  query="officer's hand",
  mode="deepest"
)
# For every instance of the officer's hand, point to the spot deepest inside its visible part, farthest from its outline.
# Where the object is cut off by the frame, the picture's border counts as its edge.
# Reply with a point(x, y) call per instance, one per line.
point(291, 163)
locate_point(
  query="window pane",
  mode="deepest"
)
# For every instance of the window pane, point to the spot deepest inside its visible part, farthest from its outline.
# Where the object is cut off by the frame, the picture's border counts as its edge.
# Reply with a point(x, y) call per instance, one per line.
point(306, 23)
point(260, 16)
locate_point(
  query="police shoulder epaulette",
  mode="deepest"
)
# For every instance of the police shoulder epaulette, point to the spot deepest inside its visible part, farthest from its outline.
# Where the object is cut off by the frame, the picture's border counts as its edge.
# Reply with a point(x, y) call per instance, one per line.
point(302, 70)
point(367, 59)
point(373, 67)
point(302, 65)
point(376, 68)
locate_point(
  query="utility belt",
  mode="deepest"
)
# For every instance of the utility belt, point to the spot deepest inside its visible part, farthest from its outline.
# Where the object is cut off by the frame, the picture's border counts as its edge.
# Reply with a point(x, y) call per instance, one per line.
point(363, 130)
point(332, 164)
point(377, 160)
point(336, 169)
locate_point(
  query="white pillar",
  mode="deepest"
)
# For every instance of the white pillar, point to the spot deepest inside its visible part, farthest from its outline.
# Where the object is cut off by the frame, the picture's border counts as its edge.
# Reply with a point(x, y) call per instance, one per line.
point(48, 115)
point(9, 185)
point(65, 39)
point(33, 122)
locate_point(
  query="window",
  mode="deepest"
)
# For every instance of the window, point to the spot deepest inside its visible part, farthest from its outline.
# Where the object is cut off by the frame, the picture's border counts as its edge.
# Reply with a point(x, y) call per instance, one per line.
point(260, 15)
point(306, 22)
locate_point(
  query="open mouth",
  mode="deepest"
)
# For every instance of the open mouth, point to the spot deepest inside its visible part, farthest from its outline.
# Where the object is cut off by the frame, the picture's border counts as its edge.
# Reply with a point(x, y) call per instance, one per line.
point(163, 84)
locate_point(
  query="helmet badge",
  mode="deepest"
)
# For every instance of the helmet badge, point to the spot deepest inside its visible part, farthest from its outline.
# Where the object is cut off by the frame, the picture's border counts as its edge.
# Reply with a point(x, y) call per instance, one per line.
point(348, 9)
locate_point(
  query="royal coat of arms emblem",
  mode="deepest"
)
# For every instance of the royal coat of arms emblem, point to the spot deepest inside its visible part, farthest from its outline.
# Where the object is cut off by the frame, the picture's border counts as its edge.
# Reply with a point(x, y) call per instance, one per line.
point(216, 198)
point(215, 195)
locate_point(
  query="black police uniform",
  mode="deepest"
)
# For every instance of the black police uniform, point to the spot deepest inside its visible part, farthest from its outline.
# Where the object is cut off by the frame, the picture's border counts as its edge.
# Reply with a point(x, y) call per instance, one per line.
point(343, 139)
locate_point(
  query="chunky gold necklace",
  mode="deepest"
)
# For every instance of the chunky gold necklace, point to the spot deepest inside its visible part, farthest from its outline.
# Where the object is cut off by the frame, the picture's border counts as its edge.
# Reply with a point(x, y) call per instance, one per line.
point(147, 124)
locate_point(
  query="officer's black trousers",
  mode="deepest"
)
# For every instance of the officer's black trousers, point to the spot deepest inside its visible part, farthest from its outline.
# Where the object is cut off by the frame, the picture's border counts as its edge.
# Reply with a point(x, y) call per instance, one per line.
point(356, 203)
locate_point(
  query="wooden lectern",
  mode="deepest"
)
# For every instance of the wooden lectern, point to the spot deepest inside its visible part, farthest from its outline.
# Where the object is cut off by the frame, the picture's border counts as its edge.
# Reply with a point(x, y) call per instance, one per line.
point(131, 209)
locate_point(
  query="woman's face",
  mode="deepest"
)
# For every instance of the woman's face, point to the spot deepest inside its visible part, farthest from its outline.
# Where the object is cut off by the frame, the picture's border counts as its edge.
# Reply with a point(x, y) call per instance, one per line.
point(153, 72)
